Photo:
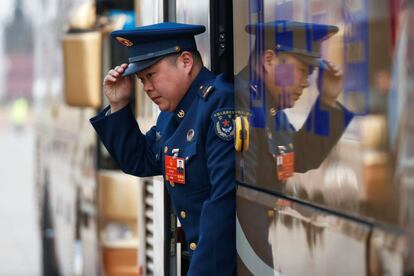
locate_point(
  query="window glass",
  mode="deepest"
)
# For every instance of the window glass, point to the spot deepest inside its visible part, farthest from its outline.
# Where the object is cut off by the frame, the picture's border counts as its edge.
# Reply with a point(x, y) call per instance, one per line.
point(197, 12)
point(326, 87)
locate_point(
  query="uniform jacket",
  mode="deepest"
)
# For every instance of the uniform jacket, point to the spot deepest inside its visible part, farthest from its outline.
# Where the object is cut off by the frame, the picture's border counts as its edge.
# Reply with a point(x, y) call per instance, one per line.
point(311, 144)
point(208, 195)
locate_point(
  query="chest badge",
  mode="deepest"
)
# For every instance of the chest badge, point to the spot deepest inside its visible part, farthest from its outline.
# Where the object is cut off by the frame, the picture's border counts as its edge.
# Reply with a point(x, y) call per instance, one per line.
point(174, 168)
point(285, 163)
point(269, 133)
point(157, 136)
point(190, 135)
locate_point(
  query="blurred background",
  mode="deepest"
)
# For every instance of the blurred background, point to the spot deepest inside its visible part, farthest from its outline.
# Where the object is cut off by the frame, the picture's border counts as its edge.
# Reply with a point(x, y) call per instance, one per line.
point(19, 232)
point(54, 217)
point(41, 137)
point(67, 209)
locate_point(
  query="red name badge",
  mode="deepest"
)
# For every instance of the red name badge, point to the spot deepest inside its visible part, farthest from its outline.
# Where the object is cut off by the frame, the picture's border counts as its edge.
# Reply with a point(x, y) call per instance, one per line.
point(285, 164)
point(174, 169)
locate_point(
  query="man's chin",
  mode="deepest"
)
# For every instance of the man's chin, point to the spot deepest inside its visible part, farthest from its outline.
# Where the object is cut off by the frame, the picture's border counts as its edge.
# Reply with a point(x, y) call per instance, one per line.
point(165, 108)
point(286, 105)
point(162, 108)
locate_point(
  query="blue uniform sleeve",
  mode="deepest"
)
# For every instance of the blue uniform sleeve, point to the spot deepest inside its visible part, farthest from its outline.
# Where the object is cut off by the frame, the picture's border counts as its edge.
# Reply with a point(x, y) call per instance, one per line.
point(133, 151)
point(216, 248)
point(322, 130)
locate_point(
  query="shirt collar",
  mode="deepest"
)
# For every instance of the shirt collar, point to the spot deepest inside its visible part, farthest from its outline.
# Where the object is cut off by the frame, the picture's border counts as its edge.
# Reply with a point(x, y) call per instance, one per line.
point(203, 76)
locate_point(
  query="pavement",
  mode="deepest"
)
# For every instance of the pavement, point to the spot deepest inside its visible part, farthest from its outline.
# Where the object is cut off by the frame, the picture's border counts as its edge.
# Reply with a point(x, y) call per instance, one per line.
point(19, 229)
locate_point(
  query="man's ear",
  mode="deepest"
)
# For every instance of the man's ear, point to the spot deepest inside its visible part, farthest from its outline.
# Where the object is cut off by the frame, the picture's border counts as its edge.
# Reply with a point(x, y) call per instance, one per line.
point(186, 61)
point(269, 57)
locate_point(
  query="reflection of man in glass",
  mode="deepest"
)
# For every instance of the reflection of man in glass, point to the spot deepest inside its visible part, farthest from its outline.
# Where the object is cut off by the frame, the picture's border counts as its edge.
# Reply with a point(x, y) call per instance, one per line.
point(285, 54)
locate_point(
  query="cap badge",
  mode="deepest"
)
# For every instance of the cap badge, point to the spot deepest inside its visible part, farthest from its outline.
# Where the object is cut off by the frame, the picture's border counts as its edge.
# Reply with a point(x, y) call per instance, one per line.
point(124, 41)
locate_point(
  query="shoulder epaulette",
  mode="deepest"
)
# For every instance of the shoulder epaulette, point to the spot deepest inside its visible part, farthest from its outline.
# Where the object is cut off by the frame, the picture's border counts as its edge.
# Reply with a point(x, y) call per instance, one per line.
point(207, 91)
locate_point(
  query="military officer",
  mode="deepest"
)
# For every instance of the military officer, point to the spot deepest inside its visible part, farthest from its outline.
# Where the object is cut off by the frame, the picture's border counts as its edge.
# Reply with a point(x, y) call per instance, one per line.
point(191, 144)
point(286, 54)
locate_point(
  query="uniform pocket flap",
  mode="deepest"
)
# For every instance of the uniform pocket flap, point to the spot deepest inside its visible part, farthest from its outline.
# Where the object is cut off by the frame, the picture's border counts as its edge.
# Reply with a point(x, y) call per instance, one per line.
point(189, 151)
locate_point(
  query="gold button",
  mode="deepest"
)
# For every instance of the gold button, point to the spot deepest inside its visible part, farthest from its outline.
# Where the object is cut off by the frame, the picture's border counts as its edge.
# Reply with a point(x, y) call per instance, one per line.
point(183, 215)
point(166, 149)
point(270, 213)
point(193, 246)
point(181, 114)
point(172, 184)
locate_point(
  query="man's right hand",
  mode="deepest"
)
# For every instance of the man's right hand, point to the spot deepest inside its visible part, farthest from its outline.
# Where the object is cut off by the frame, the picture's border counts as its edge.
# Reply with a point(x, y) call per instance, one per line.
point(117, 89)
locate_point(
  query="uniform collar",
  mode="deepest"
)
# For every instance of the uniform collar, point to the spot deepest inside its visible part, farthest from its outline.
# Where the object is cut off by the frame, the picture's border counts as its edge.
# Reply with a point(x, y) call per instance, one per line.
point(203, 77)
point(278, 121)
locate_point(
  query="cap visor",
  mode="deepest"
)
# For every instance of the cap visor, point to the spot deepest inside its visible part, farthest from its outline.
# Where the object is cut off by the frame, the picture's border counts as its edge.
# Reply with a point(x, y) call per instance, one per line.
point(312, 61)
point(316, 62)
point(139, 66)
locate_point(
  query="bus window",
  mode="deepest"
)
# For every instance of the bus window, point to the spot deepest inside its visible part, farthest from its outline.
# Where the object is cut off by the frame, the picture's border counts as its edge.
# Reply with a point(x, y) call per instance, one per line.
point(196, 12)
point(318, 83)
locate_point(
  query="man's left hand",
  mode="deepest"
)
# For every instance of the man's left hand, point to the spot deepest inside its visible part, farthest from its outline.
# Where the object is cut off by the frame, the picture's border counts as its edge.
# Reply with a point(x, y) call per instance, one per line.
point(330, 83)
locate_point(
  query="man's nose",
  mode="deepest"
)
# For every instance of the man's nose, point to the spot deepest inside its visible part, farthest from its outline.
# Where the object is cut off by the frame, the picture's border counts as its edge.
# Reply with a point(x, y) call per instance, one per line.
point(148, 86)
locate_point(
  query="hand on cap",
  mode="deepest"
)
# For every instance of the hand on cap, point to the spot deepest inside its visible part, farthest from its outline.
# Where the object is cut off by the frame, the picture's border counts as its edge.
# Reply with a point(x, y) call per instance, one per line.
point(330, 83)
point(117, 89)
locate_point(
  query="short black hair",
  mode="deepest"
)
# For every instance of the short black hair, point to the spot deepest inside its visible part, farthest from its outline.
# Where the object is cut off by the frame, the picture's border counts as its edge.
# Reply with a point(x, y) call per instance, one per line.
point(196, 57)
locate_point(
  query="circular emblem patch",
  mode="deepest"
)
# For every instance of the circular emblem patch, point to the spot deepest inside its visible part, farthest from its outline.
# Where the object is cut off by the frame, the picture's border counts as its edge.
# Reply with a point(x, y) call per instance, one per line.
point(124, 41)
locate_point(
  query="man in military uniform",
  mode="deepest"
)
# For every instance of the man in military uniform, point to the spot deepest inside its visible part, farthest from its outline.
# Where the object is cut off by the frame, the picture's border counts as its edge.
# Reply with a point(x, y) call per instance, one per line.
point(194, 130)
point(286, 53)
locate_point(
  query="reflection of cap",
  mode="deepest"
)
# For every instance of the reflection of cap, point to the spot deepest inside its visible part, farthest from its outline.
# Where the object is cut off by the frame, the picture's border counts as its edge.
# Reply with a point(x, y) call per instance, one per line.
point(149, 44)
point(299, 38)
